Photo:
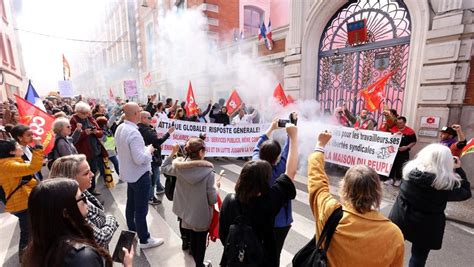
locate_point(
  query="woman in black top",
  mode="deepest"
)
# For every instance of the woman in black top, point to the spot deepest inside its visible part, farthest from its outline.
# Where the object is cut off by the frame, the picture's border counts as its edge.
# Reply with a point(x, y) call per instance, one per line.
point(60, 235)
point(259, 202)
point(430, 183)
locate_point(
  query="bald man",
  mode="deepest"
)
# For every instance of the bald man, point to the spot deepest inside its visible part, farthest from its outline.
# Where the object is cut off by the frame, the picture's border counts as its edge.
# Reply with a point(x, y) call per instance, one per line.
point(151, 138)
point(135, 159)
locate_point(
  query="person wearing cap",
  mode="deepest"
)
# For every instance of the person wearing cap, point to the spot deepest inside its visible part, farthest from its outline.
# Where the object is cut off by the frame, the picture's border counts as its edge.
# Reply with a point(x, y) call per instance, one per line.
point(448, 138)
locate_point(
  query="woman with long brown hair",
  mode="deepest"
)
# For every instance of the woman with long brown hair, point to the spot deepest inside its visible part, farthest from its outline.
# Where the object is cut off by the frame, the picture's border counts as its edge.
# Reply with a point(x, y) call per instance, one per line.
point(60, 235)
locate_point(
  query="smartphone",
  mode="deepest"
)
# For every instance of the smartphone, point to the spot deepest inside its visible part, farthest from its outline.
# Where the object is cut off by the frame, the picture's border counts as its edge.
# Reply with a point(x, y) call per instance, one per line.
point(282, 123)
point(126, 240)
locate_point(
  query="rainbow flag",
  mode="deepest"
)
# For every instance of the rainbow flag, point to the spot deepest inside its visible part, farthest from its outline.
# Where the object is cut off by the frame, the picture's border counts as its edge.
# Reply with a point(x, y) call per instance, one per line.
point(469, 148)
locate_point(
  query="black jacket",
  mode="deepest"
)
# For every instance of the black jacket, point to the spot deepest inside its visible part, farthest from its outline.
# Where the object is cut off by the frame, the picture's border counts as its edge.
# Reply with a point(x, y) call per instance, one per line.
point(83, 255)
point(150, 137)
point(261, 212)
point(419, 208)
point(220, 118)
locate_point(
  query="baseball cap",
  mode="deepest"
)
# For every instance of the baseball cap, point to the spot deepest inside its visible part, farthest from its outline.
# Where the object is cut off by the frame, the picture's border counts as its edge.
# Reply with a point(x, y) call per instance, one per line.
point(449, 130)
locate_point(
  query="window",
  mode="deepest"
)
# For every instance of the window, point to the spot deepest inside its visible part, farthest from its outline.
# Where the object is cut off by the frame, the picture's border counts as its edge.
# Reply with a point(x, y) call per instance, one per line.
point(253, 17)
point(213, 21)
point(2, 51)
point(12, 56)
point(3, 10)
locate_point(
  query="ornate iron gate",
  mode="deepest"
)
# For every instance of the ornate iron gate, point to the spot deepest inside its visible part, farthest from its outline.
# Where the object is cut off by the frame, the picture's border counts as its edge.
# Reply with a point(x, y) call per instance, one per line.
point(344, 69)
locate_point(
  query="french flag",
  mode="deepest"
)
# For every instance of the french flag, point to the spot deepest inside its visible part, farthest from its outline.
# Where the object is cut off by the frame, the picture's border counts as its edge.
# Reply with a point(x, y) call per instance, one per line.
point(263, 32)
point(33, 97)
point(269, 41)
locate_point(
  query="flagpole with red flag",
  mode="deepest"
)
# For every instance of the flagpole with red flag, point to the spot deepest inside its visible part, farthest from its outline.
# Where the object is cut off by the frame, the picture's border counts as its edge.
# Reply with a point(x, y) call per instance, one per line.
point(374, 94)
point(40, 122)
point(280, 95)
point(191, 106)
point(233, 103)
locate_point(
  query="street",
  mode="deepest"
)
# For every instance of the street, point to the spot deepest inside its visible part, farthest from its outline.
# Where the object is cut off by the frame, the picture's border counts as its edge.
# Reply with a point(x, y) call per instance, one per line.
point(457, 244)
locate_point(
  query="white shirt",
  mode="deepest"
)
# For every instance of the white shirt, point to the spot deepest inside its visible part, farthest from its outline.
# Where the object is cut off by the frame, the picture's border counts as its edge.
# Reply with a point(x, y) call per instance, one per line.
point(27, 152)
point(248, 118)
point(133, 156)
point(161, 116)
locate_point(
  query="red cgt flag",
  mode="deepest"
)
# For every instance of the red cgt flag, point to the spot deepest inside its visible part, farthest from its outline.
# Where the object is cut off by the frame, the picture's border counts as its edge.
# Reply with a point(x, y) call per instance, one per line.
point(374, 94)
point(191, 106)
point(40, 122)
point(233, 103)
point(279, 94)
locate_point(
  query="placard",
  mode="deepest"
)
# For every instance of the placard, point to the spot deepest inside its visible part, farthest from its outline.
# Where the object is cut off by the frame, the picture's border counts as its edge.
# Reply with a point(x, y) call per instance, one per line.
point(65, 89)
point(349, 147)
point(130, 88)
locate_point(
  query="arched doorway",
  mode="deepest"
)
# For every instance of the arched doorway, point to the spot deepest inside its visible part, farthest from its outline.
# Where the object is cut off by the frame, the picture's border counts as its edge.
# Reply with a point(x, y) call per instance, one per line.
point(344, 68)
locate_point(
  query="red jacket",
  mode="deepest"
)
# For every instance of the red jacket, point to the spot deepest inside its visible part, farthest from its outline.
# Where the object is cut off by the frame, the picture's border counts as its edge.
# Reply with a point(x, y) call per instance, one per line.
point(82, 145)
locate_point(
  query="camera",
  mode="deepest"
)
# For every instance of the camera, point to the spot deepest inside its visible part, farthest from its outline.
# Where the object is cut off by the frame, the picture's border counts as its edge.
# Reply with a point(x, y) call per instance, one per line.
point(282, 123)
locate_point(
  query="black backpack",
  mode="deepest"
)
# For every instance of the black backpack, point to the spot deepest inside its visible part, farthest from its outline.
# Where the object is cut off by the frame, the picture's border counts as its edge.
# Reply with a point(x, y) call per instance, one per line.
point(242, 246)
point(313, 254)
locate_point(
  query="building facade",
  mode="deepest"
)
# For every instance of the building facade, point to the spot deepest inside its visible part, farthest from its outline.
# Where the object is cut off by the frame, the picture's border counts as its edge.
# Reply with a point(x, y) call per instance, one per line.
point(12, 72)
point(114, 59)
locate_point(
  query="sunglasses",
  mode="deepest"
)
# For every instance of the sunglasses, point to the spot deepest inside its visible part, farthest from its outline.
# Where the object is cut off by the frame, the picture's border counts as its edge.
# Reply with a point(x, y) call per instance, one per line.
point(149, 118)
point(83, 198)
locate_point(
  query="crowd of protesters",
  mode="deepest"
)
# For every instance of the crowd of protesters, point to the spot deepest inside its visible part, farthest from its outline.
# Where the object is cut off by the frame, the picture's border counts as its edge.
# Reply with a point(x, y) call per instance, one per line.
point(89, 135)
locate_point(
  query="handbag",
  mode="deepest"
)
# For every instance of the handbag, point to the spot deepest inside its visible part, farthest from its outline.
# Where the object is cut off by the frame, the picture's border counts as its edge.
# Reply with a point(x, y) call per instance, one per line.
point(312, 254)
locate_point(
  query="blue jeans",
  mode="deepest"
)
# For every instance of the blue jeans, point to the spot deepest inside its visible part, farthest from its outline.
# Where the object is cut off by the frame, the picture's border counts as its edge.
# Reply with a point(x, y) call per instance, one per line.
point(23, 220)
point(418, 256)
point(155, 180)
point(136, 208)
point(115, 161)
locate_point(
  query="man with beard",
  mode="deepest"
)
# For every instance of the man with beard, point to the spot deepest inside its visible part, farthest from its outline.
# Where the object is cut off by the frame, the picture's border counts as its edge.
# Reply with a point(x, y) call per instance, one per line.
point(362, 121)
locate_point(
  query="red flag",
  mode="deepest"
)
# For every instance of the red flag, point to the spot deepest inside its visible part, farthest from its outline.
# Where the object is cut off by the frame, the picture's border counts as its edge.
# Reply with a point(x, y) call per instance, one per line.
point(291, 100)
point(233, 103)
point(279, 94)
point(191, 107)
point(469, 148)
point(40, 122)
point(374, 93)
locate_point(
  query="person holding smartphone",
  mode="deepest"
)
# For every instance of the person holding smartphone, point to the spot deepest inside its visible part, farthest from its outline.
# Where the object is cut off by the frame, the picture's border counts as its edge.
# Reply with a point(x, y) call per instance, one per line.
point(431, 179)
point(59, 203)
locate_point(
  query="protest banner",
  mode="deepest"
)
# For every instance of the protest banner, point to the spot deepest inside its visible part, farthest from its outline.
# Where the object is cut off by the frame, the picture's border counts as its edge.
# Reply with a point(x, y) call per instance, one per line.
point(130, 88)
point(221, 141)
point(349, 147)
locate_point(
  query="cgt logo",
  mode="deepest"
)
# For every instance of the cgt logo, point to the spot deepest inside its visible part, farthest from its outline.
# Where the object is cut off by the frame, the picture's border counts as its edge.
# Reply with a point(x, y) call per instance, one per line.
point(385, 152)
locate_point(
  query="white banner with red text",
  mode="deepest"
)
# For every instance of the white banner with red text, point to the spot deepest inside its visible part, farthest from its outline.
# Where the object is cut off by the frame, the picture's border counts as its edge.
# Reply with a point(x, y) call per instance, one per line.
point(349, 147)
point(221, 141)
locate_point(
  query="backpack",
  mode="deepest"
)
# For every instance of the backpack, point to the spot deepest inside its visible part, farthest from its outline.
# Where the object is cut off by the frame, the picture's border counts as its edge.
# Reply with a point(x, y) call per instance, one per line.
point(51, 155)
point(313, 254)
point(4, 198)
point(242, 246)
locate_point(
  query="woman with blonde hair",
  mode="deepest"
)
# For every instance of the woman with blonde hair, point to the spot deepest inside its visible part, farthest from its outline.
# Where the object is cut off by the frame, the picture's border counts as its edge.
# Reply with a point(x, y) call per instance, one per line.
point(363, 237)
point(76, 167)
point(432, 178)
